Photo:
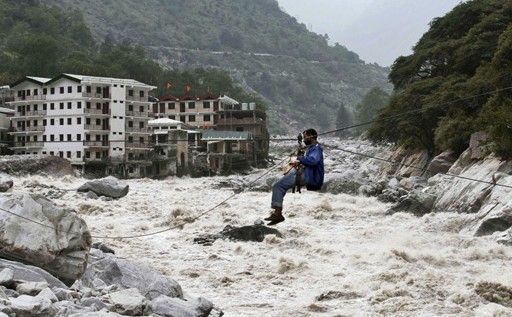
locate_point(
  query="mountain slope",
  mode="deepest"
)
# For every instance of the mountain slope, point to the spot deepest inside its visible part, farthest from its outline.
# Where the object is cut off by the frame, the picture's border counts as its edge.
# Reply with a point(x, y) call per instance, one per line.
point(265, 50)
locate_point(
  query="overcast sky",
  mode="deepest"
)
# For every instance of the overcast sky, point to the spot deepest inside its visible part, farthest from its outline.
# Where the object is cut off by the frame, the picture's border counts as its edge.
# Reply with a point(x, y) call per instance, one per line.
point(378, 30)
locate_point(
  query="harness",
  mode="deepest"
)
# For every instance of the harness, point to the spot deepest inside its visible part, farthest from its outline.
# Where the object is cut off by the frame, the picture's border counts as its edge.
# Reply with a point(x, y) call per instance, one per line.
point(299, 175)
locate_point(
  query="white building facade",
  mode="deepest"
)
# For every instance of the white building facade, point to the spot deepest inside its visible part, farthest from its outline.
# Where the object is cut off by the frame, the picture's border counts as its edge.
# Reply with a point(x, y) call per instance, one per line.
point(82, 118)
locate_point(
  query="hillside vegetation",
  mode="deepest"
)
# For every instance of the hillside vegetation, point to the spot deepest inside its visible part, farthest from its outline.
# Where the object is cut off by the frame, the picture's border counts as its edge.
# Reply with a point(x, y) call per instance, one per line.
point(266, 51)
point(459, 77)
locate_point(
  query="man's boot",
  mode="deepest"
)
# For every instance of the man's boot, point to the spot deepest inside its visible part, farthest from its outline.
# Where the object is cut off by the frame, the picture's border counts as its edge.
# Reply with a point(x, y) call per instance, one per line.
point(276, 217)
point(276, 209)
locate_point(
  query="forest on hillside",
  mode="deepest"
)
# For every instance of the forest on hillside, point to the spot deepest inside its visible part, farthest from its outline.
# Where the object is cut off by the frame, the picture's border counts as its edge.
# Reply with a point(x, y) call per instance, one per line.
point(457, 81)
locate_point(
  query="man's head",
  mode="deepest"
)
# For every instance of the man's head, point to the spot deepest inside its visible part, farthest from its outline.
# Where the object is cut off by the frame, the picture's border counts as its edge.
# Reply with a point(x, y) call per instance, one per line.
point(310, 136)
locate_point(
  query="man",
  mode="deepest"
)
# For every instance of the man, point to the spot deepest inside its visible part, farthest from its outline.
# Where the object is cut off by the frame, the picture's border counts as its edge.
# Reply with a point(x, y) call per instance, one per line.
point(310, 167)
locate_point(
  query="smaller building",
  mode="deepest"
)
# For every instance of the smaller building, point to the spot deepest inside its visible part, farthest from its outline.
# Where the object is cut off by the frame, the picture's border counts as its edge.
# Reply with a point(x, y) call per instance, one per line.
point(229, 151)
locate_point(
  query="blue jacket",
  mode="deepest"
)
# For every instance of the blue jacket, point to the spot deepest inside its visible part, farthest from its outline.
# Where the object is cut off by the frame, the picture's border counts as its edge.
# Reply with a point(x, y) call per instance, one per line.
point(313, 163)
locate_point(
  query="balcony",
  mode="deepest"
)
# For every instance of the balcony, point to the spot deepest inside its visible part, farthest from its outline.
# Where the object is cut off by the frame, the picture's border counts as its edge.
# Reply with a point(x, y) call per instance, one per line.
point(236, 121)
point(30, 98)
point(26, 114)
point(137, 98)
point(96, 127)
point(96, 144)
point(137, 145)
point(26, 145)
point(94, 95)
point(98, 112)
point(31, 130)
point(144, 130)
point(138, 114)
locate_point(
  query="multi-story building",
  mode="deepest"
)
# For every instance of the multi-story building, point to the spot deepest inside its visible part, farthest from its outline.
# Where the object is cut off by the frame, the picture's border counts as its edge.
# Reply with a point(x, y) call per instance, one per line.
point(88, 120)
point(200, 112)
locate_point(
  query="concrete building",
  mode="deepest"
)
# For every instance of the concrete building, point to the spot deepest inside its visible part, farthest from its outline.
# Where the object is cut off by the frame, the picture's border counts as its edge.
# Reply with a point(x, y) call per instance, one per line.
point(95, 122)
point(200, 112)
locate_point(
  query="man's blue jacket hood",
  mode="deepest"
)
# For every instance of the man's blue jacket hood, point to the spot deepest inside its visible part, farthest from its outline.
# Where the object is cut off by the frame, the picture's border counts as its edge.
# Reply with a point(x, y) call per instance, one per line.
point(313, 163)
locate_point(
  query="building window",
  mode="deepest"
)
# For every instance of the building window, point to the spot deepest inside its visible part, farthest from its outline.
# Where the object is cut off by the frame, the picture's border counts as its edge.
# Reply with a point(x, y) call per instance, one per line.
point(70, 105)
point(45, 91)
point(52, 90)
point(141, 140)
point(130, 92)
point(52, 121)
point(191, 118)
point(87, 120)
point(78, 88)
point(141, 109)
point(61, 105)
point(88, 89)
point(206, 104)
point(98, 121)
point(98, 90)
point(130, 107)
point(61, 154)
point(28, 92)
point(141, 93)
point(172, 117)
point(78, 153)
point(141, 125)
point(35, 107)
point(70, 89)
point(171, 106)
point(130, 139)
point(206, 117)
point(52, 153)
point(79, 137)
point(68, 154)
point(87, 154)
point(130, 124)
point(69, 137)
point(61, 121)
point(61, 137)
point(191, 105)
point(61, 90)
point(35, 123)
point(35, 92)
point(44, 138)
point(98, 105)
point(88, 105)
point(28, 107)
point(98, 155)
point(78, 120)
point(52, 138)
point(44, 106)
point(69, 121)
point(79, 104)
point(52, 106)
point(44, 122)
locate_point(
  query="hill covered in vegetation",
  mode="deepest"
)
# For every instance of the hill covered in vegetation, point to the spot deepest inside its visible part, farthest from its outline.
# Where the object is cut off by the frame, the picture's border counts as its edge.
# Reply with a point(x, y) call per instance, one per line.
point(266, 52)
point(457, 81)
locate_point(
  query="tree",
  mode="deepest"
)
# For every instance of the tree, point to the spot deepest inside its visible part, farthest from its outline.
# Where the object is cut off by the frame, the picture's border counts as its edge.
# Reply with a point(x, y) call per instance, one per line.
point(368, 108)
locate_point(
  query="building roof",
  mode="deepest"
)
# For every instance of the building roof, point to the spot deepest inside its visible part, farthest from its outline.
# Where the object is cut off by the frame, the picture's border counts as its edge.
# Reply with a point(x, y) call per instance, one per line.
point(161, 122)
point(212, 135)
point(7, 110)
point(228, 100)
point(83, 79)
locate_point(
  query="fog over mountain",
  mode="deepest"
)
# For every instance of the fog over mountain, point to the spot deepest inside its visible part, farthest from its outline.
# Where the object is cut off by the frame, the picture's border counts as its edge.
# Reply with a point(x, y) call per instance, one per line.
point(378, 30)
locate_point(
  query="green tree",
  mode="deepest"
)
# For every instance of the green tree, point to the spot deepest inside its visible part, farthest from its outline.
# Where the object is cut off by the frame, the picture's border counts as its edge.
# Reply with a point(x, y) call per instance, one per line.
point(343, 119)
point(368, 108)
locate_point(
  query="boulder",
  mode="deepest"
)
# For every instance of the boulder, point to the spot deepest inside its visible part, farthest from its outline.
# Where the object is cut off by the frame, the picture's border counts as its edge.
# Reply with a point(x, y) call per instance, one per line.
point(416, 202)
point(95, 314)
point(25, 305)
point(128, 302)
point(108, 187)
point(494, 220)
point(48, 294)
point(477, 145)
point(172, 307)
point(506, 238)
point(6, 183)
point(412, 163)
point(37, 232)
point(126, 274)
point(31, 288)
point(35, 164)
point(441, 163)
point(343, 185)
point(30, 273)
point(254, 233)
point(410, 183)
point(6, 277)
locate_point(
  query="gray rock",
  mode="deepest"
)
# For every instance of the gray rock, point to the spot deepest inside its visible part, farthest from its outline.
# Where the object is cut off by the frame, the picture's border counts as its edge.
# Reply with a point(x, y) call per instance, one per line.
point(108, 186)
point(477, 145)
point(59, 242)
point(506, 238)
point(128, 302)
point(254, 233)
point(174, 307)
point(410, 183)
point(3, 315)
point(25, 305)
point(91, 195)
point(412, 163)
point(496, 219)
point(31, 288)
point(126, 274)
point(62, 294)
point(416, 202)
point(393, 183)
point(9, 292)
point(95, 314)
point(48, 294)
point(94, 303)
point(442, 162)
point(30, 273)
point(35, 164)
point(6, 183)
point(6, 277)
point(103, 247)
point(343, 185)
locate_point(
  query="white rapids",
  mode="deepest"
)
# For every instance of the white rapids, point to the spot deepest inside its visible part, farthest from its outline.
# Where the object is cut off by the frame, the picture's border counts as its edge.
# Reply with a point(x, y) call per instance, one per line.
point(341, 255)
